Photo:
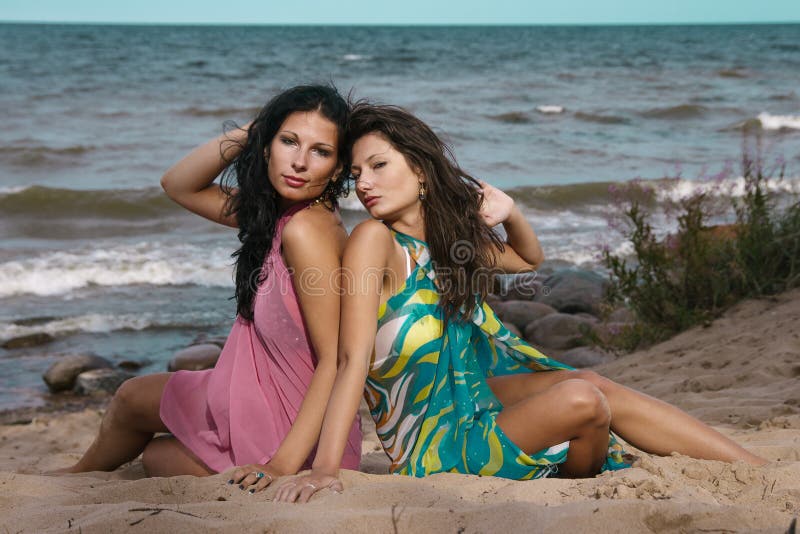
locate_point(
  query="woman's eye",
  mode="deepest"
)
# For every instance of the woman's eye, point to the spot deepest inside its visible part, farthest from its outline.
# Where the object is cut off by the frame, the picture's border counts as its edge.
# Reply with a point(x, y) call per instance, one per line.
point(354, 176)
point(322, 152)
point(287, 141)
point(379, 165)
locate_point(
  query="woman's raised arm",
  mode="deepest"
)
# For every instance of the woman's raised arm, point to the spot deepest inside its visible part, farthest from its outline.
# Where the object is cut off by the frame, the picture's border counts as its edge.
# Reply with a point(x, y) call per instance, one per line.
point(190, 182)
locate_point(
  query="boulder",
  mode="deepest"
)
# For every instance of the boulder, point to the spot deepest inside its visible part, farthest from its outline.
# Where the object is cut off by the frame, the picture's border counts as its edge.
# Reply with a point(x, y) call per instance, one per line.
point(100, 381)
point(584, 357)
point(573, 291)
point(204, 339)
point(133, 365)
point(520, 287)
point(195, 358)
point(31, 340)
point(61, 375)
point(520, 313)
point(514, 330)
point(557, 331)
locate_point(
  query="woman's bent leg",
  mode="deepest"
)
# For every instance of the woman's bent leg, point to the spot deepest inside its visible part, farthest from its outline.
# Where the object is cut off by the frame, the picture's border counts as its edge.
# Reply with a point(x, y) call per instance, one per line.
point(165, 456)
point(128, 425)
point(572, 410)
point(645, 422)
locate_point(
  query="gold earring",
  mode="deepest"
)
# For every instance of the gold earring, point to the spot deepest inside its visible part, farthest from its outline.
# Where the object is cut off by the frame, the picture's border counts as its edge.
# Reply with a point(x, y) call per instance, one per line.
point(422, 191)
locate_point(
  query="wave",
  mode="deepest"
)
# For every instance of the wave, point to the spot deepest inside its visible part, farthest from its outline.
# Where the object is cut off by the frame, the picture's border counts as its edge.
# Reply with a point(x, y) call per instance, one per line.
point(550, 110)
point(27, 156)
point(731, 73)
point(102, 323)
point(600, 118)
point(224, 112)
point(146, 263)
point(779, 122)
point(513, 117)
point(354, 57)
point(39, 202)
point(675, 190)
point(682, 111)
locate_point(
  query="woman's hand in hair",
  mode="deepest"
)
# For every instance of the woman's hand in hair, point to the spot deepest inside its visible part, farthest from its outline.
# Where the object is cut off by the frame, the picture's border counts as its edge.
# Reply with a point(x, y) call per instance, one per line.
point(496, 207)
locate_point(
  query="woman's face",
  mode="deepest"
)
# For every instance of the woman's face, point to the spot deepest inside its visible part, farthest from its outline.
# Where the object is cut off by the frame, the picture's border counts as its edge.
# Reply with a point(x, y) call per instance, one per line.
point(303, 156)
point(385, 182)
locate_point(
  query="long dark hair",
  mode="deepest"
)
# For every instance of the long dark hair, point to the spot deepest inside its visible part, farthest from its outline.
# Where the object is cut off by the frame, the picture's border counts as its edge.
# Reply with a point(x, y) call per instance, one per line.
point(461, 245)
point(252, 198)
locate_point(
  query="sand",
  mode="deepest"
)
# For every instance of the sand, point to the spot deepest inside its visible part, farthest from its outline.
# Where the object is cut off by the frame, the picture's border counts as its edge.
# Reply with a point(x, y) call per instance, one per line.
point(741, 374)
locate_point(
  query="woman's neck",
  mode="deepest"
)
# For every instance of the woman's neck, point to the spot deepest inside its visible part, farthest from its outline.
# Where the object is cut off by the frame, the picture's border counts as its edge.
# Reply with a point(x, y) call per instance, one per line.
point(412, 224)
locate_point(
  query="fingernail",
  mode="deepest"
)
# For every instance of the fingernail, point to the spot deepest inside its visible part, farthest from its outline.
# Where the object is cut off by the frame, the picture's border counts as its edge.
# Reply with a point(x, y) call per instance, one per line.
point(230, 481)
point(252, 491)
point(241, 486)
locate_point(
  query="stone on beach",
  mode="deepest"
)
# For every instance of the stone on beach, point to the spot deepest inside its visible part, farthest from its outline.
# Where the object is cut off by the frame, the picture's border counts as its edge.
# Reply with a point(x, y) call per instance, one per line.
point(61, 375)
point(195, 358)
point(100, 381)
point(573, 291)
point(520, 313)
point(557, 331)
point(584, 357)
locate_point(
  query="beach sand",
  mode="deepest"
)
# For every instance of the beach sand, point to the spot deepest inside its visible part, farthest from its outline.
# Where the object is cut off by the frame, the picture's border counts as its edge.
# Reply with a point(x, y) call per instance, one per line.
point(741, 375)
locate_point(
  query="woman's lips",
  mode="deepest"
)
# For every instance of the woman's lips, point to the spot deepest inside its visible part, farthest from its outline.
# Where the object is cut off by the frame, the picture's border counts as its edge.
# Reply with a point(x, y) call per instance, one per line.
point(370, 201)
point(293, 181)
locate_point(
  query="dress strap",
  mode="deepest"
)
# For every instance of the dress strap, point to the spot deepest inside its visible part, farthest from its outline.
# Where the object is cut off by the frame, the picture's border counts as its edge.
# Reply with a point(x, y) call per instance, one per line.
point(408, 261)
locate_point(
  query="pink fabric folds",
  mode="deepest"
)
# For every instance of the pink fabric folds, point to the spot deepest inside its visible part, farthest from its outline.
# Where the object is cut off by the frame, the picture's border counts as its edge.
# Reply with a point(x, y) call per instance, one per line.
point(240, 411)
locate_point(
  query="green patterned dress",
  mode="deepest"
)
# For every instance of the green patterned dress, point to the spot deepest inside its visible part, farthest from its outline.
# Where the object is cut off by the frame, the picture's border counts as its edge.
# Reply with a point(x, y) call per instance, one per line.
point(427, 389)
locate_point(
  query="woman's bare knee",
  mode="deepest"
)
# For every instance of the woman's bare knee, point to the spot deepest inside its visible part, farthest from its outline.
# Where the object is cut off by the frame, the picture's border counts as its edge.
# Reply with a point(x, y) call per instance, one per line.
point(584, 401)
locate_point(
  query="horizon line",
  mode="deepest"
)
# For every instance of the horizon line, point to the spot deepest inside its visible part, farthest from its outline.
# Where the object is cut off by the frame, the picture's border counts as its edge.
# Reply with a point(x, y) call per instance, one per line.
point(399, 24)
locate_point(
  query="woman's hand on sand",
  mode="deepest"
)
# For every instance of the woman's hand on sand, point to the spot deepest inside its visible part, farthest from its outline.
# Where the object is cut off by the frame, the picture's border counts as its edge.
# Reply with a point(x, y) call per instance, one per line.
point(255, 477)
point(496, 207)
point(301, 489)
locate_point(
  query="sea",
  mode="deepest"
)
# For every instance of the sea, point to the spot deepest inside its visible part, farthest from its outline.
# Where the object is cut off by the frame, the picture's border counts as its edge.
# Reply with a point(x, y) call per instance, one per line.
point(94, 254)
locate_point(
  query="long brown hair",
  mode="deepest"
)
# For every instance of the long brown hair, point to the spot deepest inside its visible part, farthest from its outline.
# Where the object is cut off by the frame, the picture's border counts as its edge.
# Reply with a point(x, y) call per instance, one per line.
point(462, 246)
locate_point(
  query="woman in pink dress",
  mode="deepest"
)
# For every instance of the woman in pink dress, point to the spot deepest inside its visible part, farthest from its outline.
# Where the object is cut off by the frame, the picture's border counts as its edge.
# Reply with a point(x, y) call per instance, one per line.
point(261, 407)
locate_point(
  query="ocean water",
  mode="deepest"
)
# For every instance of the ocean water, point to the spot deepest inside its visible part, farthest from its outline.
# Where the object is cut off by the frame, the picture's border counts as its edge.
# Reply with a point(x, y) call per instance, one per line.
point(94, 253)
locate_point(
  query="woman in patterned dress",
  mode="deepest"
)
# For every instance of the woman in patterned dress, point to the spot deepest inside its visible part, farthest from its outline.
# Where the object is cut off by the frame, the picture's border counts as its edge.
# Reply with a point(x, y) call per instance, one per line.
point(449, 387)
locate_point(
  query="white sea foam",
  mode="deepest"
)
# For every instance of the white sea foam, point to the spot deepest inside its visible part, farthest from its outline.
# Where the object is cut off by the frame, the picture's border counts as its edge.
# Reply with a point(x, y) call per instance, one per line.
point(550, 109)
point(729, 187)
point(11, 189)
point(353, 57)
point(57, 273)
point(779, 122)
point(101, 323)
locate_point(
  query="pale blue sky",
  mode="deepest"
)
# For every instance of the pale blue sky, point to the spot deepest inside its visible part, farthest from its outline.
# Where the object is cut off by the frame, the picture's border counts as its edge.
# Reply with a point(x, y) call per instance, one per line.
point(403, 11)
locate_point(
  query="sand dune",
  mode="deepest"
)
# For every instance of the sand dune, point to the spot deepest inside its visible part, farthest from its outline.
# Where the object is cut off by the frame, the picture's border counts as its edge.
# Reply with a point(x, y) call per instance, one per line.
point(741, 374)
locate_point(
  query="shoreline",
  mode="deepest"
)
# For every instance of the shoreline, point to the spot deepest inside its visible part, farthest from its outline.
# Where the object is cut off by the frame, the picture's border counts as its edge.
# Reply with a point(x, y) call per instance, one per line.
point(740, 374)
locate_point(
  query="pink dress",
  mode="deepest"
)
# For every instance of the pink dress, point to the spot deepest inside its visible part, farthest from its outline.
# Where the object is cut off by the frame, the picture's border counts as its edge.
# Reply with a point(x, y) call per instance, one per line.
point(240, 411)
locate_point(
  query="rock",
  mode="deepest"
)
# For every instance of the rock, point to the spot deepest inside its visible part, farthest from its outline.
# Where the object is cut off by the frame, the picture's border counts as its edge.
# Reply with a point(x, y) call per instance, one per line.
point(584, 357)
point(195, 358)
point(520, 313)
point(61, 375)
point(100, 381)
point(204, 339)
point(557, 331)
point(588, 316)
point(520, 286)
point(31, 340)
point(573, 291)
point(514, 330)
point(133, 365)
